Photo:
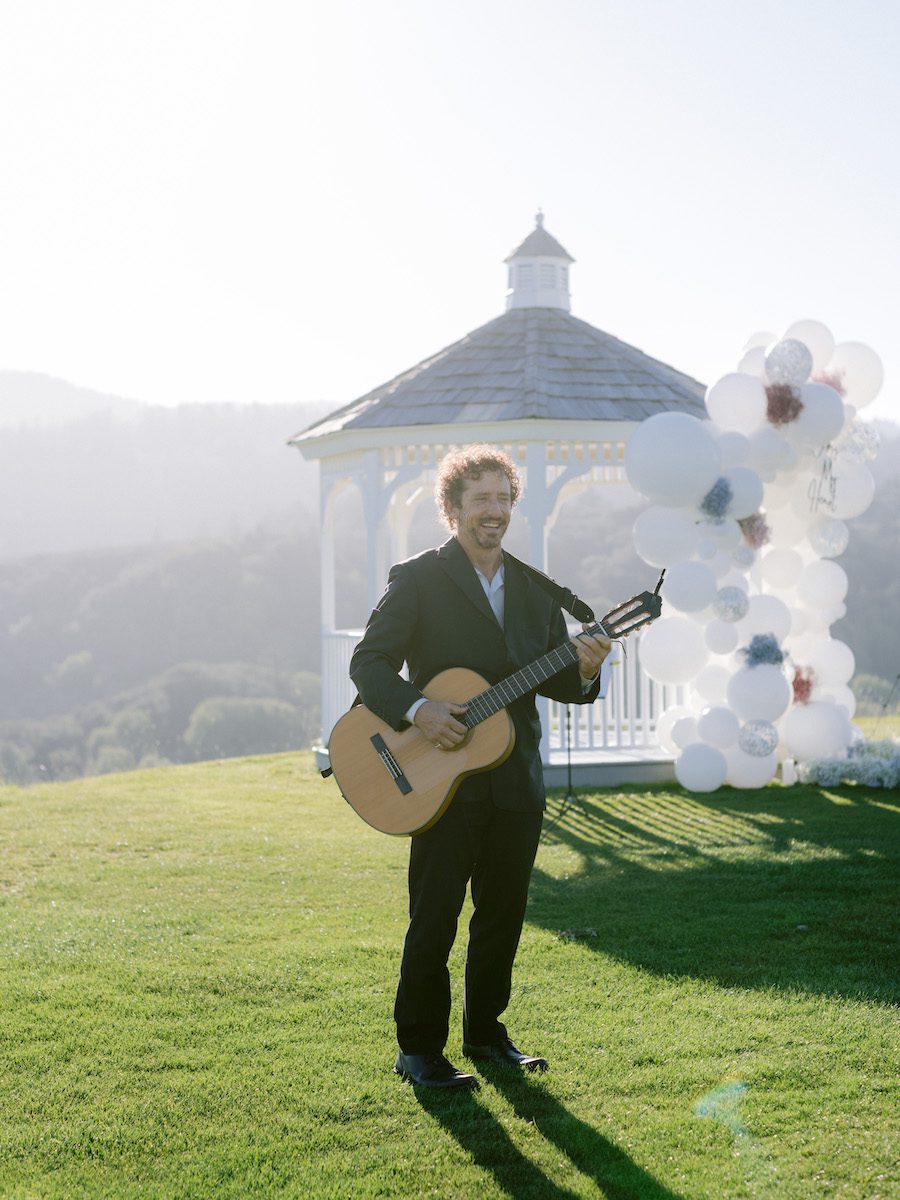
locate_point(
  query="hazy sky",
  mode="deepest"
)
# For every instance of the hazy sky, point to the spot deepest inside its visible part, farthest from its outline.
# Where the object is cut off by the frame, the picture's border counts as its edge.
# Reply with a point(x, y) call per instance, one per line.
point(269, 201)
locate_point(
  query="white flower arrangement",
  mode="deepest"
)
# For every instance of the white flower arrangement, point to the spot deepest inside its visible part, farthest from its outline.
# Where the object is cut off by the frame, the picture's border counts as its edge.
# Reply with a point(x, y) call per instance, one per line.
point(871, 764)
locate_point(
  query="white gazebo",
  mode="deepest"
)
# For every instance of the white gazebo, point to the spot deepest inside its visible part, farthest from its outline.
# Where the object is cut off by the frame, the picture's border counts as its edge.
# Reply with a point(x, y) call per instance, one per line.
point(561, 397)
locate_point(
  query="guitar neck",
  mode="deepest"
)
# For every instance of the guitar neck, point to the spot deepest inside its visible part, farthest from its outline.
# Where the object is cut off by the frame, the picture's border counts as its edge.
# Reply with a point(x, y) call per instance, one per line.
point(528, 679)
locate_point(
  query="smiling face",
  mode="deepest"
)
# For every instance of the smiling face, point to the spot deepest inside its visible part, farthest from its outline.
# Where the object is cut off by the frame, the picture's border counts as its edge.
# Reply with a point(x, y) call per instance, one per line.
point(482, 516)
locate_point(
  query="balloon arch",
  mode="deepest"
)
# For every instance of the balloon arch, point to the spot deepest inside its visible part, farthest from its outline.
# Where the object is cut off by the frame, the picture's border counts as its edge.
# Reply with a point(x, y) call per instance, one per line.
point(748, 513)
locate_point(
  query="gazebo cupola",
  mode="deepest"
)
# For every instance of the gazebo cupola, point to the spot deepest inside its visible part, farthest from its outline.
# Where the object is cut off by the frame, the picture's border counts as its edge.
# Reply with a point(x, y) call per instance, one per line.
point(538, 271)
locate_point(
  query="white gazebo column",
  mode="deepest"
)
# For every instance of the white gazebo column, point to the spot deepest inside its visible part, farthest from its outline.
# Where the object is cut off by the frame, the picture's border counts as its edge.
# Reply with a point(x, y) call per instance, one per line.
point(328, 490)
point(534, 503)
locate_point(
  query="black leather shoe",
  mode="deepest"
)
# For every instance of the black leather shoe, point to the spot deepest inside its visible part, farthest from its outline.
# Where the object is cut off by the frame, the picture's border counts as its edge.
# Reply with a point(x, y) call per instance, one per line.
point(432, 1070)
point(505, 1052)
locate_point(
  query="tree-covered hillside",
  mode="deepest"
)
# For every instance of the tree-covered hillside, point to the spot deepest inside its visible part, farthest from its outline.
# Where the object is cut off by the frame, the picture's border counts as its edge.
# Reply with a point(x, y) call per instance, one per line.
point(210, 646)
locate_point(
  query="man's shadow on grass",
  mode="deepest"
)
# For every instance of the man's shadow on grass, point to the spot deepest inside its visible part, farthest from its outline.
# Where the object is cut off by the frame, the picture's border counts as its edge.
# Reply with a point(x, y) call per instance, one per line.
point(492, 1149)
point(747, 889)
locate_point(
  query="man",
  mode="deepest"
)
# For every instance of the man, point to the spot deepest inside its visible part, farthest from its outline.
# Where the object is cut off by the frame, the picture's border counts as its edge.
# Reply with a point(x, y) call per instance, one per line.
point(468, 604)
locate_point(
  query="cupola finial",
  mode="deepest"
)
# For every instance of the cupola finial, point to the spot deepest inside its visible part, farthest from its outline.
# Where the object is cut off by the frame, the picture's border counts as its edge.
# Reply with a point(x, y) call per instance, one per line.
point(539, 218)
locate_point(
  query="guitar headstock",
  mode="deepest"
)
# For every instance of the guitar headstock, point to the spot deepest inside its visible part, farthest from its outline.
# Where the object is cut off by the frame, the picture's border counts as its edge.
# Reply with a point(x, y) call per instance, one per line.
point(640, 610)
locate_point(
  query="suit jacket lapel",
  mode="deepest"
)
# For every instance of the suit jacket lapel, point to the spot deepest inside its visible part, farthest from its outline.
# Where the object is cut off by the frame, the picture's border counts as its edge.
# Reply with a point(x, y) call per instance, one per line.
point(456, 563)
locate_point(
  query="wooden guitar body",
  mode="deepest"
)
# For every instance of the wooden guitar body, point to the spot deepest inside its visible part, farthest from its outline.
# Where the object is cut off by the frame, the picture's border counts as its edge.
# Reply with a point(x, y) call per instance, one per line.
point(400, 783)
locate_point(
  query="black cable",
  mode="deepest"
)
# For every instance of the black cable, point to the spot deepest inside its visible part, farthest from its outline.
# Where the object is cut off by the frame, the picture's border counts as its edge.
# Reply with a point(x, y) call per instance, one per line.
point(884, 706)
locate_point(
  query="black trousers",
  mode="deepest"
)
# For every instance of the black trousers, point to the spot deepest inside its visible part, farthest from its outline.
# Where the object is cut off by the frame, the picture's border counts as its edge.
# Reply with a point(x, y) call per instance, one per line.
point(494, 848)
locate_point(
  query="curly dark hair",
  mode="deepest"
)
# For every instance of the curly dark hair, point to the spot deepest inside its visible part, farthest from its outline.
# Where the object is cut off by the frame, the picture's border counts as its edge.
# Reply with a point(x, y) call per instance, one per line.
point(471, 462)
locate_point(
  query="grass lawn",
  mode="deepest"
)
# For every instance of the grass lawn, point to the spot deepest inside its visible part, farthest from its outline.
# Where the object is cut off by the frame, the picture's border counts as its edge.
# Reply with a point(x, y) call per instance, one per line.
point(198, 966)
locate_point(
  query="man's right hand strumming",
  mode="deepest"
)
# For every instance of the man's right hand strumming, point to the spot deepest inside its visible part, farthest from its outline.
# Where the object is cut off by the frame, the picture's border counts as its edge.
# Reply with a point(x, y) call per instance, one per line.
point(437, 721)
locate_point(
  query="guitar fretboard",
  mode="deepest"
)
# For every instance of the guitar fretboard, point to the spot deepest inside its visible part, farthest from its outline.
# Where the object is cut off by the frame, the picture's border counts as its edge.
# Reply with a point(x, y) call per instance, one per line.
point(515, 686)
point(618, 622)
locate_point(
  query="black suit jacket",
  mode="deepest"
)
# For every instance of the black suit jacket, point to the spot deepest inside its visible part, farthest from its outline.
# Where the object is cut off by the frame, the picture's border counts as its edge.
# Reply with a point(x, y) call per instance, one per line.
point(435, 615)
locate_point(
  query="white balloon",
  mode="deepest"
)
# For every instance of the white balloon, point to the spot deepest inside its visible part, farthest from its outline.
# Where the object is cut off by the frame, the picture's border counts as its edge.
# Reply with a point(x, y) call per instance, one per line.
point(787, 528)
point(700, 768)
point(718, 726)
point(666, 723)
point(817, 338)
point(672, 650)
point(860, 371)
point(662, 536)
point(737, 402)
point(762, 338)
point(712, 683)
point(781, 566)
point(689, 586)
point(684, 732)
point(726, 534)
point(753, 362)
point(789, 362)
point(832, 661)
point(746, 492)
point(734, 448)
point(822, 584)
point(821, 419)
point(817, 730)
point(833, 487)
point(721, 636)
point(746, 771)
point(673, 459)
point(760, 693)
point(839, 694)
point(770, 452)
point(820, 620)
point(854, 490)
point(766, 614)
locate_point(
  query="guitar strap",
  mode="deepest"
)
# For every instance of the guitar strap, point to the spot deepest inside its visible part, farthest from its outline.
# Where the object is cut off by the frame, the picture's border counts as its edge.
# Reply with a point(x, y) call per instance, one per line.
point(564, 597)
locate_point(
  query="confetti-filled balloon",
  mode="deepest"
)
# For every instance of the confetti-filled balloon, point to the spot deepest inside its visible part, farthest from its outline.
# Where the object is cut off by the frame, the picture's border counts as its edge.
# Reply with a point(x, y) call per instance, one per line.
point(789, 362)
point(758, 738)
point(857, 443)
point(730, 604)
point(829, 537)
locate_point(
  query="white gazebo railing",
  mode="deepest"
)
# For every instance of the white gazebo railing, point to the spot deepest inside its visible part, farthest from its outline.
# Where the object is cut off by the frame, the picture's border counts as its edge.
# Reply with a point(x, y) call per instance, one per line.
point(623, 723)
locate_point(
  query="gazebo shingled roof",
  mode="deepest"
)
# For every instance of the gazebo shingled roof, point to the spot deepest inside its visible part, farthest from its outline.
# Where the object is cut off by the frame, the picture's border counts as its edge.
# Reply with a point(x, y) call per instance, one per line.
point(527, 363)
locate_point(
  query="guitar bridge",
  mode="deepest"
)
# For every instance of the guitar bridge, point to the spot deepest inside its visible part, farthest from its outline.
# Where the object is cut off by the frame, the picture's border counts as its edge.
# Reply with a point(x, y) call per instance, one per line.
point(390, 763)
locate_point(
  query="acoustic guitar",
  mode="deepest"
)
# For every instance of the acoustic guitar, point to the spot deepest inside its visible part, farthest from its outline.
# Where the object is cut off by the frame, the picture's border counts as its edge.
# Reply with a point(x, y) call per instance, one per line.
point(400, 783)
